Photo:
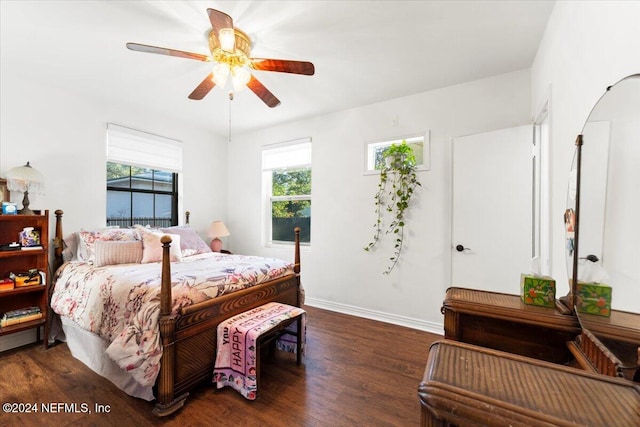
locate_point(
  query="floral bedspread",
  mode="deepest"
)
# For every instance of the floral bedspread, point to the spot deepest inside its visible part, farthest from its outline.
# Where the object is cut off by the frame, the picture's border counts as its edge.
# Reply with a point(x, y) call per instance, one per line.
point(121, 303)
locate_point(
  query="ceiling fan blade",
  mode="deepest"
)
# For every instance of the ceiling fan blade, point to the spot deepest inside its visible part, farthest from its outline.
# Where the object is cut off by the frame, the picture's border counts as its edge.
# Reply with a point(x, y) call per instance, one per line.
point(283, 66)
point(263, 93)
point(170, 52)
point(203, 88)
point(221, 21)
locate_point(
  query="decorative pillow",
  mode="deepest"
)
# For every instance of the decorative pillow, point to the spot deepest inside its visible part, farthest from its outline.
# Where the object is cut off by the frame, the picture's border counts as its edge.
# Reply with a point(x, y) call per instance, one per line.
point(152, 247)
point(70, 247)
point(190, 242)
point(87, 239)
point(112, 252)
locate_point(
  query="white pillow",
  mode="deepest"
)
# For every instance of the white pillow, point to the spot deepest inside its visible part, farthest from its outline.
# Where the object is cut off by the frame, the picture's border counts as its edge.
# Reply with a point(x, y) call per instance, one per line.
point(112, 252)
point(152, 247)
point(190, 242)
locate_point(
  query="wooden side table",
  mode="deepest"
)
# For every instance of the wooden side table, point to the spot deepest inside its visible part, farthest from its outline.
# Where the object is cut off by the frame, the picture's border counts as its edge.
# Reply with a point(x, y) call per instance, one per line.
point(503, 322)
point(468, 385)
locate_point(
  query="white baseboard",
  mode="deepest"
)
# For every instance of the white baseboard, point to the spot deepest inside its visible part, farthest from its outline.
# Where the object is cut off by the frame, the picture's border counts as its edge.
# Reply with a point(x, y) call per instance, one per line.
point(434, 328)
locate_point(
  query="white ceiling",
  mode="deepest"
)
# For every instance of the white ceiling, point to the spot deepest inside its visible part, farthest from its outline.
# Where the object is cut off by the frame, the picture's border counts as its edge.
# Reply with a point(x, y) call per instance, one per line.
point(363, 51)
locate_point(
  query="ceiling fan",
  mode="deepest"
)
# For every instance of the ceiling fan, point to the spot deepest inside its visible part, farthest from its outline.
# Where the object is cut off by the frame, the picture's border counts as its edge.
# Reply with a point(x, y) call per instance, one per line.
point(230, 51)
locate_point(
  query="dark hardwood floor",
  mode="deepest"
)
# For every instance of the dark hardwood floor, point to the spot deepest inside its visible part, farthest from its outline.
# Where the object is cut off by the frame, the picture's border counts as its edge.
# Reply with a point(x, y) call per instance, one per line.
point(356, 372)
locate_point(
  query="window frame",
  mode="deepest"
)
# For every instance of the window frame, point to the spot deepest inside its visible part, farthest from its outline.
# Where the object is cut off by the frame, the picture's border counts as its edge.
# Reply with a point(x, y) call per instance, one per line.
point(267, 191)
point(173, 193)
point(371, 146)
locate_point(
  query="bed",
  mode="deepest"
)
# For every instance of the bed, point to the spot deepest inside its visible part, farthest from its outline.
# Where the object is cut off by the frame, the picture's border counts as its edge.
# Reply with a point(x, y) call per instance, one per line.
point(170, 306)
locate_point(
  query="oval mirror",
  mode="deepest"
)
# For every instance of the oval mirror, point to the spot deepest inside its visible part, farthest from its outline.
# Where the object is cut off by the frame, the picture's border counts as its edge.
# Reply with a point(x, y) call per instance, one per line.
point(608, 241)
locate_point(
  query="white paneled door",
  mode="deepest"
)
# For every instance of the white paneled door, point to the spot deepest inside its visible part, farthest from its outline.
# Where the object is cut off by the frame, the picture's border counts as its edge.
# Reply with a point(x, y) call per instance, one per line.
point(492, 209)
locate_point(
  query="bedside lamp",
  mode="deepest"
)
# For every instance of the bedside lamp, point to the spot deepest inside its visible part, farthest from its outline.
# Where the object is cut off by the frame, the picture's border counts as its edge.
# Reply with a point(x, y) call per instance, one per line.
point(25, 179)
point(217, 229)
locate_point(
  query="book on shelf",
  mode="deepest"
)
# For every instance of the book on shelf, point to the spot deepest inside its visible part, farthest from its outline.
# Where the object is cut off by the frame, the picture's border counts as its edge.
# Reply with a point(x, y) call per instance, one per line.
point(22, 319)
point(21, 312)
point(6, 284)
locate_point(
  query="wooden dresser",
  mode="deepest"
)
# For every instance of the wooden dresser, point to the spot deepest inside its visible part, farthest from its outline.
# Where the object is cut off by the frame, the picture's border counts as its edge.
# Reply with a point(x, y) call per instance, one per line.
point(504, 322)
point(467, 385)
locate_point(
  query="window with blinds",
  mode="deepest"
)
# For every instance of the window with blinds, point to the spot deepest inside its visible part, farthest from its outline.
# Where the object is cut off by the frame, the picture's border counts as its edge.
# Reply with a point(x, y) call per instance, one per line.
point(142, 178)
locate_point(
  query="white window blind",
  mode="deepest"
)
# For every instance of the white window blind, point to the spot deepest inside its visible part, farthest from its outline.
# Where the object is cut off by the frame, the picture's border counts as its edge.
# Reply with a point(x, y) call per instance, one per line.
point(287, 155)
point(136, 148)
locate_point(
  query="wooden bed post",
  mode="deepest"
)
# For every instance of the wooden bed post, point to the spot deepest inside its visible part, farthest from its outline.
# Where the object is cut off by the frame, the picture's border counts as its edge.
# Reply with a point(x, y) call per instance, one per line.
point(58, 243)
point(296, 267)
point(166, 403)
point(296, 259)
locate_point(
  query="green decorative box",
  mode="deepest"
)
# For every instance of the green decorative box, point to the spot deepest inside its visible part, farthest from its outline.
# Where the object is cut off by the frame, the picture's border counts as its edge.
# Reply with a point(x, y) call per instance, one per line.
point(538, 290)
point(593, 298)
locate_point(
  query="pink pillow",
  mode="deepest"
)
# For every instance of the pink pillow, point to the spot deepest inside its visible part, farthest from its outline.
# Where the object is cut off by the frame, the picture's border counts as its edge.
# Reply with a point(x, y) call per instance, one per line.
point(190, 242)
point(152, 247)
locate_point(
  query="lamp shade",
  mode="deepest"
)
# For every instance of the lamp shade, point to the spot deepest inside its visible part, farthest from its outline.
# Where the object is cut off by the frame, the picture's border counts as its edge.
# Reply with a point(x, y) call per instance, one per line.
point(25, 178)
point(217, 229)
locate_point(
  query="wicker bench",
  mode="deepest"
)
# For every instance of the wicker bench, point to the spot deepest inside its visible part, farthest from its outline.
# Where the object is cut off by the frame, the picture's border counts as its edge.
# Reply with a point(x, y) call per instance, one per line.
point(242, 339)
point(468, 385)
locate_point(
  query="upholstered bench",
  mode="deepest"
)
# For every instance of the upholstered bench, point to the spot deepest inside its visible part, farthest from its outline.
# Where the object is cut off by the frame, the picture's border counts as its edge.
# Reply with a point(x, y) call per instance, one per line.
point(242, 337)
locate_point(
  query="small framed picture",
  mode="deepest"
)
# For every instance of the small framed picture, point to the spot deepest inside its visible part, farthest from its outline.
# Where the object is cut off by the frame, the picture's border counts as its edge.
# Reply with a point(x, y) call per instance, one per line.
point(4, 191)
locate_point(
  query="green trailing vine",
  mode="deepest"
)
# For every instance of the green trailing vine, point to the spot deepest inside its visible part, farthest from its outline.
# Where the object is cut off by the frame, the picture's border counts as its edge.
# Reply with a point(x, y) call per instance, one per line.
point(399, 171)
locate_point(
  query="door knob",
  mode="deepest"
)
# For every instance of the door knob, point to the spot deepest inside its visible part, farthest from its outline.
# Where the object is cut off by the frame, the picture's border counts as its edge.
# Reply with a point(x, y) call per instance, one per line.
point(461, 248)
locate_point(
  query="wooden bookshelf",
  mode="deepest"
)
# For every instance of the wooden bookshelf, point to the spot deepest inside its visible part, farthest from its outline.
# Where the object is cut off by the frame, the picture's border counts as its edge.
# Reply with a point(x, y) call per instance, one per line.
point(17, 261)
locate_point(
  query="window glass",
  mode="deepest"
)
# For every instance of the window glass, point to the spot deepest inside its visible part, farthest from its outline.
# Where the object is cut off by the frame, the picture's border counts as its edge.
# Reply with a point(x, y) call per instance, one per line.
point(142, 180)
point(163, 209)
point(291, 183)
point(118, 208)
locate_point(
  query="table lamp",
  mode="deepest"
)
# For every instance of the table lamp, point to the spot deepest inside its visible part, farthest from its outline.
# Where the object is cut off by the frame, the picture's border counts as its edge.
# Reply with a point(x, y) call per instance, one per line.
point(25, 179)
point(217, 229)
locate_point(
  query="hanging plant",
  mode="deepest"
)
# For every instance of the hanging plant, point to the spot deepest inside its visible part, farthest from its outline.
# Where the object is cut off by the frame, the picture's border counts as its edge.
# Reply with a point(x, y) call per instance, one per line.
point(399, 171)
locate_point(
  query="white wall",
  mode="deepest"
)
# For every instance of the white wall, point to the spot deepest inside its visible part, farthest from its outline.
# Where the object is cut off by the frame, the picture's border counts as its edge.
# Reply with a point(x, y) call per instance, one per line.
point(337, 273)
point(63, 135)
point(587, 46)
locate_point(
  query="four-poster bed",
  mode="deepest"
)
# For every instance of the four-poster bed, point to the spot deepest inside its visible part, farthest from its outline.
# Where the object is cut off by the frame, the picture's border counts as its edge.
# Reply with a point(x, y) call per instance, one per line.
point(188, 332)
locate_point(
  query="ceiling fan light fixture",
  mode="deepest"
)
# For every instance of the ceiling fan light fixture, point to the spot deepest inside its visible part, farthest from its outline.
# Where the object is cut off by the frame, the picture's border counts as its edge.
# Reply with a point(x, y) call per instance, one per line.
point(227, 39)
point(230, 50)
point(240, 77)
point(220, 74)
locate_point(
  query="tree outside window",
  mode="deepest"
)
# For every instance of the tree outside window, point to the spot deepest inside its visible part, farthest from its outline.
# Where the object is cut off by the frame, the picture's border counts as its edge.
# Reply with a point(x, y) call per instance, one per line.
point(290, 204)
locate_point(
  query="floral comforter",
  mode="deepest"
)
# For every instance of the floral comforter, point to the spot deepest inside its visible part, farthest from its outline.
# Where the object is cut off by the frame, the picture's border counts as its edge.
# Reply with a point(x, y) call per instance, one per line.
point(121, 303)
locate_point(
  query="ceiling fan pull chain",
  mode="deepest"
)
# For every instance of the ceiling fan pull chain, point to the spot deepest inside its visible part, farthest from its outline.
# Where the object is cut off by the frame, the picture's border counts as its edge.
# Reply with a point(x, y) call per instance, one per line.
point(229, 133)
